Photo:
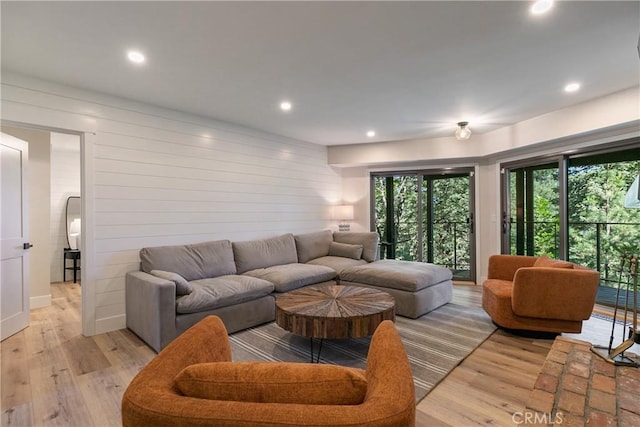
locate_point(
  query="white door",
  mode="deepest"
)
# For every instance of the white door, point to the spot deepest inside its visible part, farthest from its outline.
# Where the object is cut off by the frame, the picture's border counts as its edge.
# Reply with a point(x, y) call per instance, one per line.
point(14, 253)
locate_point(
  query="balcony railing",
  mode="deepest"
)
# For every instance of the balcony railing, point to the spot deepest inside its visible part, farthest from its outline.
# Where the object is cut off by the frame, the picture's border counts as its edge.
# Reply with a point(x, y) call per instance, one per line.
point(592, 244)
point(597, 245)
point(450, 241)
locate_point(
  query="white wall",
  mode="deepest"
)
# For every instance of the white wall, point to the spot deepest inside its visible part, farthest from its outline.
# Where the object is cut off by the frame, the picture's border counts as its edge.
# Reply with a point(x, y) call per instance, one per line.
point(159, 177)
point(600, 121)
point(355, 180)
point(65, 182)
point(38, 188)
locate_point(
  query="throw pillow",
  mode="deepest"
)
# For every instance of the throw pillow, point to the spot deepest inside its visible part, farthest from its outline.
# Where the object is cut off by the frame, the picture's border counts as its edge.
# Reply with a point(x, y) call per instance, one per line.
point(182, 286)
point(345, 250)
point(545, 261)
point(268, 382)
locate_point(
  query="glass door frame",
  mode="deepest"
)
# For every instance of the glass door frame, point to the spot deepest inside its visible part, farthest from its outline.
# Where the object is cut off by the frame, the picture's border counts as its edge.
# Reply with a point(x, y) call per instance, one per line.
point(505, 205)
point(421, 174)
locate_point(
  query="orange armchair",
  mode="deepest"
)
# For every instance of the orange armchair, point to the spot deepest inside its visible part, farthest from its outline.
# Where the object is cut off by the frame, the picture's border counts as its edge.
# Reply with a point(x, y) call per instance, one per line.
point(539, 294)
point(154, 399)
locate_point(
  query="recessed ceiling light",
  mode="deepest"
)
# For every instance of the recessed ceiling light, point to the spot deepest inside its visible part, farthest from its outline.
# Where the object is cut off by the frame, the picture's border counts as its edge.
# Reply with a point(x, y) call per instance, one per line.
point(285, 106)
point(572, 87)
point(135, 56)
point(541, 6)
point(371, 133)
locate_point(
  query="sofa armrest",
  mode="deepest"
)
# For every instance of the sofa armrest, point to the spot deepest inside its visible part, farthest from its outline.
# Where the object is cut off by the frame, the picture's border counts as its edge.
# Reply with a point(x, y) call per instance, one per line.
point(151, 308)
point(554, 293)
point(504, 267)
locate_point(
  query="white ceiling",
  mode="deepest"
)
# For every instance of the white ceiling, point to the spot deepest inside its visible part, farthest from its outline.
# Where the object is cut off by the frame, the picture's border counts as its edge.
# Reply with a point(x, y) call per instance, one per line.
point(406, 69)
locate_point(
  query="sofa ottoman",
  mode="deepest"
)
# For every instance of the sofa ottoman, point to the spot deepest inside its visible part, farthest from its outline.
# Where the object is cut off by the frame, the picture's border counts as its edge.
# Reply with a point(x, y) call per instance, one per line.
point(417, 287)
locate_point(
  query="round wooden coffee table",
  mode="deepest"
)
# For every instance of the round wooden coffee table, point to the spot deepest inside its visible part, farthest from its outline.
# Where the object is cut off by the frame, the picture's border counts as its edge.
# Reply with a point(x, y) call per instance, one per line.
point(333, 312)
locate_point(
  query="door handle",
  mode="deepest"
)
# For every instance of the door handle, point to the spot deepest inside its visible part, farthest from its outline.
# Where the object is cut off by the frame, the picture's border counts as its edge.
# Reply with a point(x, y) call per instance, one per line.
point(505, 223)
point(27, 245)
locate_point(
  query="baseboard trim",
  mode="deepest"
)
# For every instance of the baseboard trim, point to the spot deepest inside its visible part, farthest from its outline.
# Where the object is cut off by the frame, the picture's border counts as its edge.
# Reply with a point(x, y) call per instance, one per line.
point(39, 301)
point(110, 324)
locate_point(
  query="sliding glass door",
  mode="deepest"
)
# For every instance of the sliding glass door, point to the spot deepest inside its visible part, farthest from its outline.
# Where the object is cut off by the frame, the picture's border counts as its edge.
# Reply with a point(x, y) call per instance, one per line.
point(396, 220)
point(426, 216)
point(448, 223)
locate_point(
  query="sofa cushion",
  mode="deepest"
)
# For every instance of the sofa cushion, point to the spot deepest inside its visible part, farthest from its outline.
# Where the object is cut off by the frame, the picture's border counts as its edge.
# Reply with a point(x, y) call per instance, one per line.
point(345, 250)
point(193, 262)
point(182, 286)
point(264, 253)
point(337, 263)
point(223, 291)
point(545, 261)
point(368, 240)
point(293, 276)
point(403, 275)
point(313, 245)
point(267, 382)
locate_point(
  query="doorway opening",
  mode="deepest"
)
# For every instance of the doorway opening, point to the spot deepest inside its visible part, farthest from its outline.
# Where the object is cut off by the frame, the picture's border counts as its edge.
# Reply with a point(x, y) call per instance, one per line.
point(53, 176)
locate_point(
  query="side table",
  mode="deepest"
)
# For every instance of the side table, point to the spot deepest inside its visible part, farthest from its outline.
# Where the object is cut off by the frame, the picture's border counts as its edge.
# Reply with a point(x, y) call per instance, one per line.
point(74, 255)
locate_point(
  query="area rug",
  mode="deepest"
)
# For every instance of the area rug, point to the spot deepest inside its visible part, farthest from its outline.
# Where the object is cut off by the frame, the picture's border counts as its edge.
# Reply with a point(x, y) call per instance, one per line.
point(436, 343)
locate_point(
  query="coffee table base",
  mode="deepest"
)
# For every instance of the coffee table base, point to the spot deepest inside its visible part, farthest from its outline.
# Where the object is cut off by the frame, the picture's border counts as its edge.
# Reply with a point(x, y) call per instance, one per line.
point(317, 360)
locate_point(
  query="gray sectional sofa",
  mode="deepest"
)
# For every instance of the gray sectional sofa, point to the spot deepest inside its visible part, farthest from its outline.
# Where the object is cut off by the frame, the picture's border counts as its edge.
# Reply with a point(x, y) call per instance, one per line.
point(177, 286)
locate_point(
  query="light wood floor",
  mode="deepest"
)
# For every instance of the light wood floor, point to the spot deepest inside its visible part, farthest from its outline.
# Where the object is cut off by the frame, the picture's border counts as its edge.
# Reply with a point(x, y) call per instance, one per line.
point(52, 375)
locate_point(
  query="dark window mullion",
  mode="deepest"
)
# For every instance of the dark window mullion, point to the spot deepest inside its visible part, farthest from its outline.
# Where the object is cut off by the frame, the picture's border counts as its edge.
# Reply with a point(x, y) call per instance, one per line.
point(529, 213)
point(390, 235)
point(429, 219)
point(520, 241)
point(420, 254)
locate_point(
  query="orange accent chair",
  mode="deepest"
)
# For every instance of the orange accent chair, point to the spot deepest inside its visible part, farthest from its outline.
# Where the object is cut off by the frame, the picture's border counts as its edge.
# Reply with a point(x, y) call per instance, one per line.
point(538, 293)
point(264, 394)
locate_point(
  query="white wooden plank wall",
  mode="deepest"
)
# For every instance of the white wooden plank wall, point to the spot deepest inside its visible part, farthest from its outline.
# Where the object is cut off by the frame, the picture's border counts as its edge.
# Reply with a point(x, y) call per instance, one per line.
point(65, 182)
point(163, 178)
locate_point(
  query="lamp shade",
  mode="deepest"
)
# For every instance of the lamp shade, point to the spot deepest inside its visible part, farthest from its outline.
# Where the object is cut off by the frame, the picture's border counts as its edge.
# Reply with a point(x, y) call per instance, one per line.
point(632, 198)
point(343, 212)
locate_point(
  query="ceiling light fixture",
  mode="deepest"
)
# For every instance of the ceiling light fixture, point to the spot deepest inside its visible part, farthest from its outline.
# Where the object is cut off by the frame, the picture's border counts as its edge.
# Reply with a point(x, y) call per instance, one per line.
point(285, 106)
point(371, 133)
point(572, 87)
point(541, 6)
point(135, 56)
point(463, 132)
